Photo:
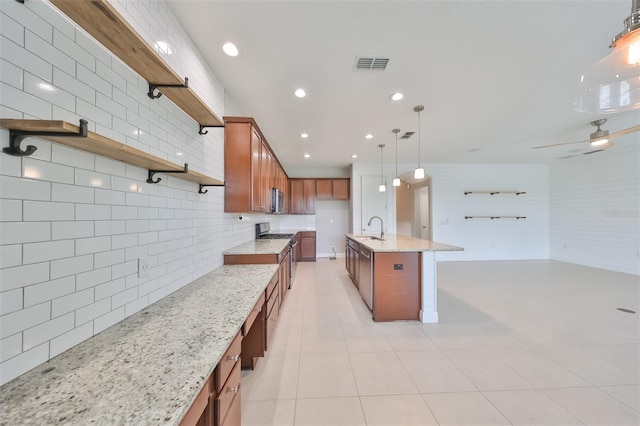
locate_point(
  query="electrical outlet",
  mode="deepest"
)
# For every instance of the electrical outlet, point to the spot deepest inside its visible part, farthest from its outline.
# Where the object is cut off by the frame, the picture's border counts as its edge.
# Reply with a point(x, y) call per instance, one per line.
point(143, 267)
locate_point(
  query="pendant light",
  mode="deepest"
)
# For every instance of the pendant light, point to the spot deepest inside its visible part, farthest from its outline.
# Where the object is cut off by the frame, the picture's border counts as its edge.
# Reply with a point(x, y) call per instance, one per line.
point(613, 83)
point(418, 173)
point(396, 180)
point(382, 187)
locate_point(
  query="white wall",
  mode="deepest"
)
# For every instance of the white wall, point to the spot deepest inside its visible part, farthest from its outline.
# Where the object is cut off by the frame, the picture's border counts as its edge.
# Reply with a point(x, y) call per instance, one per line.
point(482, 239)
point(332, 222)
point(73, 225)
point(594, 204)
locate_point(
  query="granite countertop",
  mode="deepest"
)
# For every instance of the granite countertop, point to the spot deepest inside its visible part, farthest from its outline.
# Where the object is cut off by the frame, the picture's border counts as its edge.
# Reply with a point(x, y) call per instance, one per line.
point(395, 242)
point(266, 246)
point(148, 368)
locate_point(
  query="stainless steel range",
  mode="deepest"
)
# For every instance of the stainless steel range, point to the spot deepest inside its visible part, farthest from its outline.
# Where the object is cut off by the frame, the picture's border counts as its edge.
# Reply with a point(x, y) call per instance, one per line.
point(263, 231)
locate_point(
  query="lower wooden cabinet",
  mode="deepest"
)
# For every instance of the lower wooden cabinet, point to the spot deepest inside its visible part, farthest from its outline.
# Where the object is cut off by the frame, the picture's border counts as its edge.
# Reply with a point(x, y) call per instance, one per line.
point(307, 246)
point(228, 399)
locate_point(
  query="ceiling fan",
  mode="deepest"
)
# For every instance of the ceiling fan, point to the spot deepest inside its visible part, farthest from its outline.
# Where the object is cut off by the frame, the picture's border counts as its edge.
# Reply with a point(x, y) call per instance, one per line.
point(598, 140)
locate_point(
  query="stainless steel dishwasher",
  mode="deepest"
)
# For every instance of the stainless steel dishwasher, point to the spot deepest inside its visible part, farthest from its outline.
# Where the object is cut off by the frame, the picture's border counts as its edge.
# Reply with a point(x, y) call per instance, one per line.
point(365, 280)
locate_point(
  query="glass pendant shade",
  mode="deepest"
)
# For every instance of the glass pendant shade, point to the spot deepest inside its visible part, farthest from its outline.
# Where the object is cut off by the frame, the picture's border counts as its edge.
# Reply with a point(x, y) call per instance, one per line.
point(418, 173)
point(382, 188)
point(396, 182)
point(613, 83)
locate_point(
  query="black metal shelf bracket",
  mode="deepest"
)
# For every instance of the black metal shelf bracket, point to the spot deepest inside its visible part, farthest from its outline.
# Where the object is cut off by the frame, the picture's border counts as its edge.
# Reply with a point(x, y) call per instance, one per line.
point(495, 217)
point(153, 87)
point(202, 185)
point(17, 136)
point(203, 126)
point(153, 172)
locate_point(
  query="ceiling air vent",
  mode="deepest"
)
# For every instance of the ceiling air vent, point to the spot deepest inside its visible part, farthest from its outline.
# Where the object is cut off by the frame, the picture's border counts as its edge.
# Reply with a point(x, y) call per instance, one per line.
point(407, 135)
point(371, 63)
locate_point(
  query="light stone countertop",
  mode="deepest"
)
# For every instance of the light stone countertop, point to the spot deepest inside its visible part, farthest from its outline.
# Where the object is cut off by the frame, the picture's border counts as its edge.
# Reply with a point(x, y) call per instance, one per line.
point(146, 369)
point(266, 246)
point(396, 242)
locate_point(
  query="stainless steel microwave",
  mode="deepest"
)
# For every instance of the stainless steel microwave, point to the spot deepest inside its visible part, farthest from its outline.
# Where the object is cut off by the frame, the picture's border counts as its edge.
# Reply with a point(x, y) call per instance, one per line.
point(277, 201)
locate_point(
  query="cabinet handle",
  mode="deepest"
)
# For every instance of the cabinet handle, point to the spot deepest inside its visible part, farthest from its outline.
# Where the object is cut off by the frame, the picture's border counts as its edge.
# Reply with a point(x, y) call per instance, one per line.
point(234, 389)
point(234, 358)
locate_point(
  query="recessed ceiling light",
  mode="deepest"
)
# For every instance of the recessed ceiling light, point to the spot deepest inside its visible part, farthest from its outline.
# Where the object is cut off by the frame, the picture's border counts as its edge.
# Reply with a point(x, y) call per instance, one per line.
point(354, 156)
point(368, 136)
point(304, 135)
point(230, 49)
point(396, 96)
point(307, 156)
point(300, 93)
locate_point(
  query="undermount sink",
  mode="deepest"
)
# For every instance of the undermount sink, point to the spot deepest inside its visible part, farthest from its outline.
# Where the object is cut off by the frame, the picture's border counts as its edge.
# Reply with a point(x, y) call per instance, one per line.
point(369, 237)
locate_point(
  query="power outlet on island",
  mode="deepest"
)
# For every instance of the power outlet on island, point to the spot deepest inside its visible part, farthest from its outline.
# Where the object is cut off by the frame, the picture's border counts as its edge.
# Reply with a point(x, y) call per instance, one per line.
point(143, 267)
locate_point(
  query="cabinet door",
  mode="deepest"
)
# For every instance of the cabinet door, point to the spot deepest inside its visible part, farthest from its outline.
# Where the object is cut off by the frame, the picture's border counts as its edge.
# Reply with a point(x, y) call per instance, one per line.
point(340, 189)
point(265, 179)
point(307, 248)
point(296, 197)
point(324, 189)
point(309, 196)
point(256, 160)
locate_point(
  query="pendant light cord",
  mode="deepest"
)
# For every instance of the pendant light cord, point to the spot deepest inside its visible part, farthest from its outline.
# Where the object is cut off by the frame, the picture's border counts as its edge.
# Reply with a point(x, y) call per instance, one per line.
point(418, 109)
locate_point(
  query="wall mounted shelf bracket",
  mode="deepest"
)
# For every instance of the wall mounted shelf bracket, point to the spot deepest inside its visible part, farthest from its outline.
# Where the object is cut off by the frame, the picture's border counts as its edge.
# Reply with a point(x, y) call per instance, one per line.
point(17, 136)
point(153, 172)
point(200, 191)
point(153, 87)
point(495, 217)
point(203, 126)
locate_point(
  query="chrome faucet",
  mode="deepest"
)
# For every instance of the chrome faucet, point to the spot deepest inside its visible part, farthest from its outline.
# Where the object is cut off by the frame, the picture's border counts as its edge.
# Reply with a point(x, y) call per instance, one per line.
point(381, 225)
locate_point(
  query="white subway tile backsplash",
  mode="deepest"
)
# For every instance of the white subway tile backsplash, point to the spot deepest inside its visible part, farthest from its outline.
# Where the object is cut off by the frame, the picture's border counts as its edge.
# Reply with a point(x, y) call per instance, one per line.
point(140, 200)
point(110, 227)
point(69, 46)
point(71, 338)
point(88, 43)
point(11, 74)
point(53, 17)
point(10, 347)
point(12, 30)
point(108, 258)
point(44, 170)
point(93, 212)
point(123, 184)
point(92, 113)
point(124, 241)
point(109, 197)
point(147, 213)
point(137, 226)
point(71, 193)
point(26, 318)
point(92, 79)
point(69, 84)
point(75, 265)
point(72, 157)
point(110, 288)
point(123, 269)
point(24, 189)
point(43, 292)
point(148, 287)
point(50, 250)
point(110, 166)
point(105, 321)
point(124, 297)
point(107, 104)
point(22, 58)
point(66, 230)
point(41, 89)
point(10, 255)
point(93, 278)
point(47, 211)
point(92, 245)
point(20, 276)
point(71, 302)
point(123, 212)
point(24, 362)
point(24, 232)
point(137, 305)
point(46, 331)
point(44, 50)
point(104, 70)
point(93, 179)
point(11, 301)
point(24, 102)
point(137, 252)
point(92, 311)
point(9, 164)
point(124, 99)
point(28, 18)
point(10, 211)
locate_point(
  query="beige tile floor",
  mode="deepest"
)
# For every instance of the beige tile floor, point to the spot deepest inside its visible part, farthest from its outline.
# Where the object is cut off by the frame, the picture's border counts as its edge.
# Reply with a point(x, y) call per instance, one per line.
point(519, 342)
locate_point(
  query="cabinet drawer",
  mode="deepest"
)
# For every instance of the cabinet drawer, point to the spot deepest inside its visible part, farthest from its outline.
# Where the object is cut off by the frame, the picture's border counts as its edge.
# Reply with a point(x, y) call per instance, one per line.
point(230, 390)
point(308, 234)
point(199, 411)
point(234, 414)
point(272, 302)
point(253, 315)
point(228, 361)
point(272, 285)
point(272, 320)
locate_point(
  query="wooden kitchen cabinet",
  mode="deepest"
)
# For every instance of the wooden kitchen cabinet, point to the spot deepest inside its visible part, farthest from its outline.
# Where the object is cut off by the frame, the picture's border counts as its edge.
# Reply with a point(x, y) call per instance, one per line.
point(396, 286)
point(251, 169)
point(302, 196)
point(332, 189)
point(352, 260)
point(307, 246)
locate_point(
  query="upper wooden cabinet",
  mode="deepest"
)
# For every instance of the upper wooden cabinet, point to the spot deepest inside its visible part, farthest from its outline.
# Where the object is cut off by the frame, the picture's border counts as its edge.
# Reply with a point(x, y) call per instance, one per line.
point(302, 196)
point(251, 169)
point(332, 189)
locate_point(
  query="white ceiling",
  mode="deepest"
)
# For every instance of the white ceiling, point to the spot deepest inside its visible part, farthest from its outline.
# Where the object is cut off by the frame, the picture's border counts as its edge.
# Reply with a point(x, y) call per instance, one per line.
point(496, 77)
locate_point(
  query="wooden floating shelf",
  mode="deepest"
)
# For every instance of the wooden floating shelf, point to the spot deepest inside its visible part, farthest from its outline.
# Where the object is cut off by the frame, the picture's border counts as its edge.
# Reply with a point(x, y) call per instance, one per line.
point(100, 19)
point(100, 145)
point(495, 192)
point(495, 217)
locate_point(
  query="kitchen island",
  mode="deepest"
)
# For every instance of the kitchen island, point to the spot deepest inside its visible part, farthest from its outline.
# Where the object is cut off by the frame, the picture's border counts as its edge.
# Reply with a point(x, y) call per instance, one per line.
point(397, 275)
point(148, 369)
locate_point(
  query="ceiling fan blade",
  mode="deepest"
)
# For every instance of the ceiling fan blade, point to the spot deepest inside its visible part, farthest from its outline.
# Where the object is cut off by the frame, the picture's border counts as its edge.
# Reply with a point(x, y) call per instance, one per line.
point(559, 144)
point(625, 131)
